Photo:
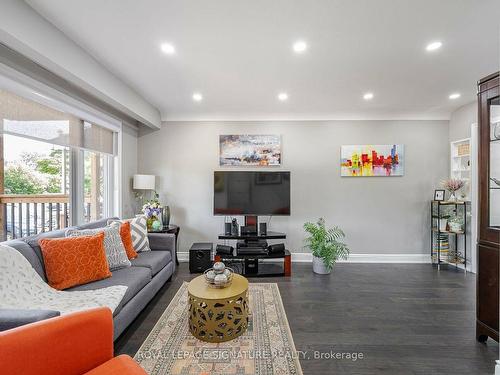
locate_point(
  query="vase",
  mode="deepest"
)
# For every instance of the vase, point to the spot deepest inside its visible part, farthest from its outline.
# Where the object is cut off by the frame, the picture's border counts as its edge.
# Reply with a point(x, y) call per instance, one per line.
point(150, 221)
point(319, 266)
point(165, 216)
point(453, 197)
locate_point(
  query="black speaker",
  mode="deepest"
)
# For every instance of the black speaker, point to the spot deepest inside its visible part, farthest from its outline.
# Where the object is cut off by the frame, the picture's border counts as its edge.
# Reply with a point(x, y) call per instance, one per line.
point(200, 257)
point(227, 229)
point(224, 249)
point(263, 229)
point(278, 248)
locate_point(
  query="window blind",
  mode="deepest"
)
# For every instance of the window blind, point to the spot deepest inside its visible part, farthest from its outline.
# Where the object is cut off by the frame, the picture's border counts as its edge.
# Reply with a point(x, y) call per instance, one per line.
point(26, 118)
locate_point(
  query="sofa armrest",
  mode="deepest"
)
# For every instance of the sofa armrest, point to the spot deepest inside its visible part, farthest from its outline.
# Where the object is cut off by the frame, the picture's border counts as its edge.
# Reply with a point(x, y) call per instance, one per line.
point(163, 242)
point(12, 318)
point(72, 344)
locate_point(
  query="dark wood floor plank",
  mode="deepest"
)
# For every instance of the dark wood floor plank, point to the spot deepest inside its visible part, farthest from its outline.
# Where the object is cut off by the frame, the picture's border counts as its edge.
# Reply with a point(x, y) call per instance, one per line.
point(405, 319)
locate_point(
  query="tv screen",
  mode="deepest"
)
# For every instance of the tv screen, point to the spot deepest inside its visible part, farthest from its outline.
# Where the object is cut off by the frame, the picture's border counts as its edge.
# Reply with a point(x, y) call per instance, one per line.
point(251, 193)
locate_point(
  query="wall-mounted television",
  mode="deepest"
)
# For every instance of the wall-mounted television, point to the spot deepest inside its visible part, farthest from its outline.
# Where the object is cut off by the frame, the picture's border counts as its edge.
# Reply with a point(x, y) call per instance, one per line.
point(251, 193)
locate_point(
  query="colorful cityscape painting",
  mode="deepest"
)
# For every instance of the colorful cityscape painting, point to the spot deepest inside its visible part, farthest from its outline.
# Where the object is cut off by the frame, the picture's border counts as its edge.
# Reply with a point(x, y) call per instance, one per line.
point(372, 160)
point(246, 150)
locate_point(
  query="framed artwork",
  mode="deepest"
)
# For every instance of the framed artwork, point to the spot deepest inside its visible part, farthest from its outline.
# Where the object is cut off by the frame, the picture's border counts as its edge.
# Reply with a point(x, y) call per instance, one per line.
point(249, 150)
point(372, 160)
point(439, 195)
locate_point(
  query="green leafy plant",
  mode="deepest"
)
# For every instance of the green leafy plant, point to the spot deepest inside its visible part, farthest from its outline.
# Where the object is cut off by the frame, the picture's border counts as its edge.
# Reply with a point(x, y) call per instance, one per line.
point(325, 243)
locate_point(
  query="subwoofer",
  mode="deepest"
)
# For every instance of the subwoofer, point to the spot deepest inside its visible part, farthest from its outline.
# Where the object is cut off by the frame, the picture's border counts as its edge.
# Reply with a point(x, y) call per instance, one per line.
point(200, 257)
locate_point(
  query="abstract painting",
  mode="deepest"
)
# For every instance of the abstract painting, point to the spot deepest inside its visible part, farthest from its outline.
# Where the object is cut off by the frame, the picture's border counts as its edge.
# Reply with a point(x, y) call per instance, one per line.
point(246, 150)
point(372, 160)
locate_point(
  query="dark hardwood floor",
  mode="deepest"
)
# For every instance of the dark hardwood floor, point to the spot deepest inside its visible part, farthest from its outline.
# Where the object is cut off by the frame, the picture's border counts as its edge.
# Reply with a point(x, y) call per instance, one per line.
point(405, 319)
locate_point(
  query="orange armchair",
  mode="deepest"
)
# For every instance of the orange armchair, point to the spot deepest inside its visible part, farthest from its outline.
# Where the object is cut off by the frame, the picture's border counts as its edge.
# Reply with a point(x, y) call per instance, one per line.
point(73, 344)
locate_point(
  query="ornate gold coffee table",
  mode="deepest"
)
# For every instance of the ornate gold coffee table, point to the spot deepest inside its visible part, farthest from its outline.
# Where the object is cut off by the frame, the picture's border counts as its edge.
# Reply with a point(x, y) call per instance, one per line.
point(218, 315)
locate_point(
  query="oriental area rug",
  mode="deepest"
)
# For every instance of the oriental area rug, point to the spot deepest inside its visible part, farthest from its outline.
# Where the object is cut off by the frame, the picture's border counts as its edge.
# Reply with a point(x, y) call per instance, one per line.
point(266, 348)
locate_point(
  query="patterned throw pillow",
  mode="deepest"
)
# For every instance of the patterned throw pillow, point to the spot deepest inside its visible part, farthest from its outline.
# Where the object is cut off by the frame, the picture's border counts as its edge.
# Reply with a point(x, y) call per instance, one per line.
point(115, 251)
point(139, 232)
point(74, 261)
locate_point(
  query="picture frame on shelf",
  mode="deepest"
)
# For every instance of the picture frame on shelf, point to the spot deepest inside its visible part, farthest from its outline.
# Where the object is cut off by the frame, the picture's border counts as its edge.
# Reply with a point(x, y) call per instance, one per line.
point(439, 195)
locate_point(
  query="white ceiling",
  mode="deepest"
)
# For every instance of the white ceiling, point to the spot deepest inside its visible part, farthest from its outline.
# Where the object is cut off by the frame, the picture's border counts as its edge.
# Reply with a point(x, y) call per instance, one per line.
point(238, 54)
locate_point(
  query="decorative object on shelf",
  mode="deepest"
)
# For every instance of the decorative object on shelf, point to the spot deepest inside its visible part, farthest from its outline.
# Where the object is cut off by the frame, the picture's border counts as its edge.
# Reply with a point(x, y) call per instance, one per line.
point(495, 180)
point(453, 185)
point(439, 195)
point(165, 216)
point(456, 224)
point(219, 276)
point(234, 227)
point(152, 210)
point(326, 246)
point(443, 223)
point(372, 160)
point(254, 150)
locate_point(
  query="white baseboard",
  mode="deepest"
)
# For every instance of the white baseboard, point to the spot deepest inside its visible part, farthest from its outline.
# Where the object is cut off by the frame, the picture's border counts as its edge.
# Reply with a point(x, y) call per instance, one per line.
point(353, 258)
point(497, 368)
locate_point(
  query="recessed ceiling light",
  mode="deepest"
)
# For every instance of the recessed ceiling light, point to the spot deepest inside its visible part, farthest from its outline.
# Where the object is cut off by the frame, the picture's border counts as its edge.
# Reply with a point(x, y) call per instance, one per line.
point(197, 97)
point(368, 96)
point(434, 46)
point(282, 96)
point(454, 96)
point(168, 48)
point(299, 46)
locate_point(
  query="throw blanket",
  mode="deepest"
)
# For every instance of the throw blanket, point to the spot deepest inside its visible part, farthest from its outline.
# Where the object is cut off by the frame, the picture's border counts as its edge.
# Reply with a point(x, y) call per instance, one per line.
point(21, 287)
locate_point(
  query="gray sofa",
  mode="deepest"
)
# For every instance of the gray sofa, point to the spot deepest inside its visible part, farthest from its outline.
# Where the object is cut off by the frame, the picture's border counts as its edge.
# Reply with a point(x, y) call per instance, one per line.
point(149, 272)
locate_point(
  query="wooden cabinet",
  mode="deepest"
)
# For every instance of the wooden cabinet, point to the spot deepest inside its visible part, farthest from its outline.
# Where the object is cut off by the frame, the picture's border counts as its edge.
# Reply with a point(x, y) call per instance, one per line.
point(488, 245)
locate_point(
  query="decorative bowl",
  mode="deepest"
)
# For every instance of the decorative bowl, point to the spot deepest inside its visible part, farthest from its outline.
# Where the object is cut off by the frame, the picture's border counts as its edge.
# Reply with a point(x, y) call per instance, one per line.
point(220, 277)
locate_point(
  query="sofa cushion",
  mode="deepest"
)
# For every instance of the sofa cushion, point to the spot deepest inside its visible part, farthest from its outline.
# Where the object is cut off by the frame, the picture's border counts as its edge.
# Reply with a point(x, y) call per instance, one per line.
point(126, 236)
point(12, 318)
point(74, 261)
point(29, 253)
point(154, 260)
point(139, 232)
point(135, 278)
point(96, 224)
point(33, 241)
point(115, 251)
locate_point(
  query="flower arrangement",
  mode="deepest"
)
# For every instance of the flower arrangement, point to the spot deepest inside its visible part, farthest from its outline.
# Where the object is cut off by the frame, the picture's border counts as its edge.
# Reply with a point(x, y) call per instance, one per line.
point(152, 209)
point(453, 185)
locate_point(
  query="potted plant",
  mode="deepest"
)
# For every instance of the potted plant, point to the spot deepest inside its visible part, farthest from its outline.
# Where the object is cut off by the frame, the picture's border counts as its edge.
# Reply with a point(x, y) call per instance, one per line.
point(453, 185)
point(326, 246)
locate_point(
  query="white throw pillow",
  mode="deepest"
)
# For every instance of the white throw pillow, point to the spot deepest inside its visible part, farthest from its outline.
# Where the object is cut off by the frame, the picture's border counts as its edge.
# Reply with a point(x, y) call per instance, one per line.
point(139, 232)
point(113, 245)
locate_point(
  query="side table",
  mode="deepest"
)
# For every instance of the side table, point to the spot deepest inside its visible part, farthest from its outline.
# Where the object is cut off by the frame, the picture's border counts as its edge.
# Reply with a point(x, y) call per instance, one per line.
point(173, 229)
point(218, 315)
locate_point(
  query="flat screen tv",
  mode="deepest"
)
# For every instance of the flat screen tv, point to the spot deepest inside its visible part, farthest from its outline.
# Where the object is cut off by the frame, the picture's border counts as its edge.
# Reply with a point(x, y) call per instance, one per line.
point(251, 193)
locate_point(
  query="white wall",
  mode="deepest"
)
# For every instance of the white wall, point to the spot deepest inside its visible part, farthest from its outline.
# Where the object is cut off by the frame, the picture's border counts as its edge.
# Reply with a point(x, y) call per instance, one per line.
point(461, 121)
point(379, 215)
point(129, 168)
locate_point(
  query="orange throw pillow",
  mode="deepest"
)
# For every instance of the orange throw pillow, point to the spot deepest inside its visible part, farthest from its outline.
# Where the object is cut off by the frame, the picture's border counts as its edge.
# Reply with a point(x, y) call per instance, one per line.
point(74, 261)
point(127, 240)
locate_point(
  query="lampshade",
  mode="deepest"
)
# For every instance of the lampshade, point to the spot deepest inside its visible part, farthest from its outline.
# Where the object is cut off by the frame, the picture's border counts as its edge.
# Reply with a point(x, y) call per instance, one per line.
point(144, 182)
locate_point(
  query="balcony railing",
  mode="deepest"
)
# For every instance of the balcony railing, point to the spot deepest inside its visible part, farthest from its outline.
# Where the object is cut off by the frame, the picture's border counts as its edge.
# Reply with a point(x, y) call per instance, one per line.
point(25, 215)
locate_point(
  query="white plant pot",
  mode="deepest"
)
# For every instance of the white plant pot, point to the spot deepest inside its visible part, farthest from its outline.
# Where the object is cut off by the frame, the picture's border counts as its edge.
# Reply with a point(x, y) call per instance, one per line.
point(319, 267)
